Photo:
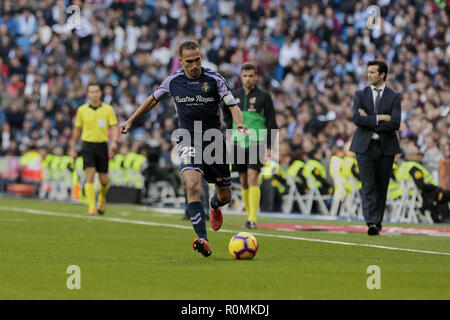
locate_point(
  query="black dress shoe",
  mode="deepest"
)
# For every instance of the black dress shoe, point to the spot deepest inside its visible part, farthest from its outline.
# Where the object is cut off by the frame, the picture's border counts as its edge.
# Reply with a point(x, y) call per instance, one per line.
point(373, 230)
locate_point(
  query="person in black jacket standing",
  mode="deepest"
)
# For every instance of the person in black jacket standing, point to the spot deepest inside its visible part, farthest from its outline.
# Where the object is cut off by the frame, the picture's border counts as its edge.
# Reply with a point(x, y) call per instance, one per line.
point(376, 113)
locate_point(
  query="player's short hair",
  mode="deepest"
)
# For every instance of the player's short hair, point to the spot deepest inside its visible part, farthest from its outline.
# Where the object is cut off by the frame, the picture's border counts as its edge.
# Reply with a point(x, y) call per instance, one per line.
point(382, 67)
point(188, 45)
point(248, 66)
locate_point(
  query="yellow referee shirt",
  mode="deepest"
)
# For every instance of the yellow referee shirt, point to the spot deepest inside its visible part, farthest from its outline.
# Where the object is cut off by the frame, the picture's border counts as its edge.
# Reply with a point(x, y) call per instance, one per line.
point(95, 122)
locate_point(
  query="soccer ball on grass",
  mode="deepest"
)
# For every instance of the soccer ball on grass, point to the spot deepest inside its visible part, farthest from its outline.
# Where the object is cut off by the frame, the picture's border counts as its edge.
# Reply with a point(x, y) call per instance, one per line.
point(243, 246)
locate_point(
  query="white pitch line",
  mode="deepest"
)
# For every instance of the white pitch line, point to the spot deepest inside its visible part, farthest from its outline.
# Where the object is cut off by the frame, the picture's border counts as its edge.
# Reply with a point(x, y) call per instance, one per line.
point(71, 215)
point(168, 225)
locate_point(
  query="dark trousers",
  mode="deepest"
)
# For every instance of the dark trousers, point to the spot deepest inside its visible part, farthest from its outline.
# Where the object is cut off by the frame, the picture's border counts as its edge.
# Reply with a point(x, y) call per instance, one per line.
point(375, 170)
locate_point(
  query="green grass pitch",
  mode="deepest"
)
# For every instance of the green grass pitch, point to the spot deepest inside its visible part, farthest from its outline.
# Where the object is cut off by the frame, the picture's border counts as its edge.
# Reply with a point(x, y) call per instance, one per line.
point(135, 253)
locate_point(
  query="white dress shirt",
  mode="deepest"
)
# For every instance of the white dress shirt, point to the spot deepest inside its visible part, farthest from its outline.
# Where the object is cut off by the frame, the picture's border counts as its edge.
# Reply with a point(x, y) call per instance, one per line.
point(374, 96)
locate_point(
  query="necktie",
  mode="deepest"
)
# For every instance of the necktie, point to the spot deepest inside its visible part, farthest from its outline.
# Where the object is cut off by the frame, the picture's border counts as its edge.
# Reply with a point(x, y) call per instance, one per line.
point(377, 100)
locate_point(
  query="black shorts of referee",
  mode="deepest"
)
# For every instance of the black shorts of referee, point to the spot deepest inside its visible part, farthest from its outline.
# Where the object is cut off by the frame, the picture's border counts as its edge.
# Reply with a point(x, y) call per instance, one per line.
point(248, 158)
point(95, 154)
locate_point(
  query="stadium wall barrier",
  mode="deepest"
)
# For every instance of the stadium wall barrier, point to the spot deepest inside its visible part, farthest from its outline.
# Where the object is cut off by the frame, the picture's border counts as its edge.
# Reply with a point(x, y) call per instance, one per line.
point(117, 194)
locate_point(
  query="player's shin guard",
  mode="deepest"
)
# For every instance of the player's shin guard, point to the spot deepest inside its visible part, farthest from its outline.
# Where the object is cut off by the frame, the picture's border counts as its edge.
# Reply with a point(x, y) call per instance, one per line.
point(197, 216)
point(254, 199)
point(89, 190)
point(102, 192)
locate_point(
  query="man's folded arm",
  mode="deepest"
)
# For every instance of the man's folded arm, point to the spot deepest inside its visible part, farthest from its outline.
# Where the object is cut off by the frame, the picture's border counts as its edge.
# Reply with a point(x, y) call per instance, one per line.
point(394, 123)
point(368, 122)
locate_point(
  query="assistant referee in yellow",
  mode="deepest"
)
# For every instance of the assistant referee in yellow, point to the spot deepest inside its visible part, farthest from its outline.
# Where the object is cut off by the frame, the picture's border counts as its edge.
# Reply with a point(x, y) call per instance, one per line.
point(93, 122)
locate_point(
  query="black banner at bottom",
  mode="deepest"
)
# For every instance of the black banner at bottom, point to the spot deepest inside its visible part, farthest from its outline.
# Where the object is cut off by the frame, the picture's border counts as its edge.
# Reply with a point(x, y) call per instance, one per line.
point(217, 309)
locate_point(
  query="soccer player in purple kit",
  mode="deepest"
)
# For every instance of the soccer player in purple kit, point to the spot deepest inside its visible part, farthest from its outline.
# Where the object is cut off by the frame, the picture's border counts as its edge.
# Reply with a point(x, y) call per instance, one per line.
point(197, 93)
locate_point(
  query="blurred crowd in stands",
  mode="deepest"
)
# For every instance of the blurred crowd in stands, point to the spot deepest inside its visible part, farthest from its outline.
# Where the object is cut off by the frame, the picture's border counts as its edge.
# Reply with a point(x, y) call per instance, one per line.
point(311, 56)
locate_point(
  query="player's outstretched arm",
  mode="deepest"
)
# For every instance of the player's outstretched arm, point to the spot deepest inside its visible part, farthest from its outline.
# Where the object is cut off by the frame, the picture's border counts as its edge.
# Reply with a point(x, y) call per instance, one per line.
point(238, 119)
point(145, 107)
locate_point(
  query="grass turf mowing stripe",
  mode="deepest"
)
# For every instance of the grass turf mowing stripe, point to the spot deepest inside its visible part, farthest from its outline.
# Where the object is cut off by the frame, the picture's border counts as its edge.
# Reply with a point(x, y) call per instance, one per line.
point(168, 225)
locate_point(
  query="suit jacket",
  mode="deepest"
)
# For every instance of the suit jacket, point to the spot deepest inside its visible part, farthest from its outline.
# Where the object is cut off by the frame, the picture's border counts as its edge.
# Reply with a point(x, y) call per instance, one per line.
point(390, 104)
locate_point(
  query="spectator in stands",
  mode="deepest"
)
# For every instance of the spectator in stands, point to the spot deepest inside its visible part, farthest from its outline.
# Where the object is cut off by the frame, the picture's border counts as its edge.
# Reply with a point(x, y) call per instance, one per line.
point(432, 154)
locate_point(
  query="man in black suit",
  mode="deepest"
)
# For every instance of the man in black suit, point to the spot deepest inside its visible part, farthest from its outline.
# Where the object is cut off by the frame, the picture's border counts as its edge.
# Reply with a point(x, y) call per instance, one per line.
point(376, 113)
